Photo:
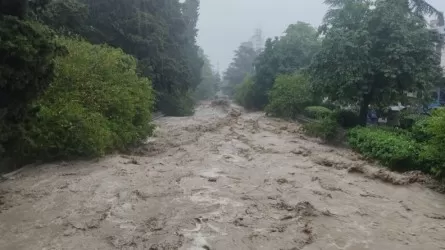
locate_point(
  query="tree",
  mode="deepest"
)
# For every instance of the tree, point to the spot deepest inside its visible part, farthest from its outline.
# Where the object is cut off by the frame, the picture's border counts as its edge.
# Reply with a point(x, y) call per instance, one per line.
point(210, 80)
point(267, 67)
point(373, 53)
point(285, 55)
point(66, 16)
point(161, 34)
point(241, 65)
point(290, 95)
point(27, 53)
point(422, 7)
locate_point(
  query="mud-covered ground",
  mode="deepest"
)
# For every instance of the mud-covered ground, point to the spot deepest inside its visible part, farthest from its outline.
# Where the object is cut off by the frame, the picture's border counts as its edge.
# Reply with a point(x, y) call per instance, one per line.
point(221, 180)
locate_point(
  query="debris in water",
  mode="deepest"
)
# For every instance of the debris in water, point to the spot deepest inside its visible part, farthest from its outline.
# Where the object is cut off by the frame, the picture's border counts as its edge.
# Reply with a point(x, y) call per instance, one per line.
point(133, 161)
point(435, 216)
point(356, 169)
point(212, 179)
point(405, 206)
point(282, 181)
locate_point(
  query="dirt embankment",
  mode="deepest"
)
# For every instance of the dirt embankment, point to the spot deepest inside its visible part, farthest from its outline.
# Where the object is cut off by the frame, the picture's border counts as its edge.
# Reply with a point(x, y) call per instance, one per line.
point(221, 179)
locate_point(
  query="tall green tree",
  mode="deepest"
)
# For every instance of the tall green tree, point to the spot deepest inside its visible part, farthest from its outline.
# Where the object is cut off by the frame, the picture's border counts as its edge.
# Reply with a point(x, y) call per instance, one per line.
point(284, 55)
point(66, 16)
point(27, 53)
point(241, 65)
point(373, 52)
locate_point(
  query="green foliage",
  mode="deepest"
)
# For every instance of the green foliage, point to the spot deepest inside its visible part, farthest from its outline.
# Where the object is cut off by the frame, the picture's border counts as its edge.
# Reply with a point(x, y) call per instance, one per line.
point(433, 150)
point(347, 118)
point(27, 52)
point(161, 34)
point(420, 148)
point(286, 55)
point(397, 151)
point(96, 103)
point(177, 103)
point(325, 128)
point(289, 96)
point(240, 67)
point(66, 16)
point(64, 131)
point(245, 93)
point(374, 55)
point(419, 131)
point(317, 112)
point(409, 118)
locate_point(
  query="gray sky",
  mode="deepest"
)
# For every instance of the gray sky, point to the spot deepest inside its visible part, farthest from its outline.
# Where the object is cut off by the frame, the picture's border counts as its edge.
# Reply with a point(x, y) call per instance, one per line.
point(225, 24)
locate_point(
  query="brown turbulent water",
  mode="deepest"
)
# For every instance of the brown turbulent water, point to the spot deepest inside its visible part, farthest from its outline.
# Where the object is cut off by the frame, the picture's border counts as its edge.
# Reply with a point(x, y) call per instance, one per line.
point(221, 179)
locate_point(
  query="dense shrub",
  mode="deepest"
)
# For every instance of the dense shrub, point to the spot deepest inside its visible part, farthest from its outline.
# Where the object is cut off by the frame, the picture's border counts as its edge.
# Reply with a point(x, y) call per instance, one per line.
point(245, 93)
point(397, 151)
point(289, 96)
point(347, 118)
point(419, 131)
point(433, 131)
point(326, 128)
point(97, 103)
point(317, 112)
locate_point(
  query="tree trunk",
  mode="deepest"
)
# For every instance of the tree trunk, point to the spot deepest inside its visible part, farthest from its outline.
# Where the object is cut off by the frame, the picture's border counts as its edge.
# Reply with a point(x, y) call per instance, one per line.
point(364, 108)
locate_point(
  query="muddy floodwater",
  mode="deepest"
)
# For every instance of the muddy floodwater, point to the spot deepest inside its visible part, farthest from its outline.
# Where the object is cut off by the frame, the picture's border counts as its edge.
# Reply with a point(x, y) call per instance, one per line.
point(221, 179)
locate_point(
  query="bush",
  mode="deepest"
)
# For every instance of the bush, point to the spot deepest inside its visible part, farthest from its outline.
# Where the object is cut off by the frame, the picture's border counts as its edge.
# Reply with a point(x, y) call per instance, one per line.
point(419, 131)
point(289, 96)
point(433, 131)
point(245, 93)
point(325, 128)
point(97, 103)
point(397, 151)
point(347, 118)
point(317, 112)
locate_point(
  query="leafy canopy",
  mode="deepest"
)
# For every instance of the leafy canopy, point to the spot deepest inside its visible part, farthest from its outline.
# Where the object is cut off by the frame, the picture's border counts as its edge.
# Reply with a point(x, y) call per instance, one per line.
point(292, 52)
point(96, 103)
point(290, 95)
point(373, 52)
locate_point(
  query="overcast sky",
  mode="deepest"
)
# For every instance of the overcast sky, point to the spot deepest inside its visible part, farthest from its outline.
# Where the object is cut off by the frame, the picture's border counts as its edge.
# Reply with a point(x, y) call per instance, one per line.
point(225, 24)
